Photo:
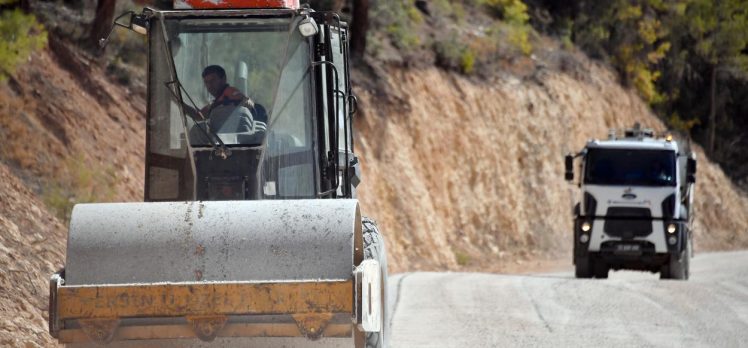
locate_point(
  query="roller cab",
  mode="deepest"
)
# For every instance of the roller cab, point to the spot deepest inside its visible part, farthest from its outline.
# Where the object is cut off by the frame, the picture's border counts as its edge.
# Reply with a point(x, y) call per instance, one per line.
point(250, 226)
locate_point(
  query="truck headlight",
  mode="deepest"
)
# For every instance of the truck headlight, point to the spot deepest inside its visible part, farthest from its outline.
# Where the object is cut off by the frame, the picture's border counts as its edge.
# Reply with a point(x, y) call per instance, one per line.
point(586, 227)
point(672, 240)
point(584, 238)
point(671, 228)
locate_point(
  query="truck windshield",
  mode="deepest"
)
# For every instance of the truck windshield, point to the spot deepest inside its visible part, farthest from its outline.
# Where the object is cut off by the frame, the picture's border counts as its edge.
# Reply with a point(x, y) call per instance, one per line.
point(630, 167)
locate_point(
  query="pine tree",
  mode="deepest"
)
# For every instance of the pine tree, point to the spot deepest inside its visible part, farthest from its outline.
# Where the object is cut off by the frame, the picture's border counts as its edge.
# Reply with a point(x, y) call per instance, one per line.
point(720, 32)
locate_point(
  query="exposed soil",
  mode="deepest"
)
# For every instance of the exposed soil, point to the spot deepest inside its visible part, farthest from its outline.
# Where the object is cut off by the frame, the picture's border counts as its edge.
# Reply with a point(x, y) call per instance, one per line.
point(56, 133)
point(464, 174)
point(32, 246)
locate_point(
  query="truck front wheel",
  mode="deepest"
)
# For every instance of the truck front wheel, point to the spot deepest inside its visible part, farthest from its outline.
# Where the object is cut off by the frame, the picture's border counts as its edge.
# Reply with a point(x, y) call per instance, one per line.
point(679, 265)
point(600, 269)
point(582, 267)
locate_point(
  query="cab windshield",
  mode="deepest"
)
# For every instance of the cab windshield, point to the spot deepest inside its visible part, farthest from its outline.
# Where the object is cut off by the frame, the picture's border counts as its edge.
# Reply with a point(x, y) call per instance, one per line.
point(264, 104)
point(265, 63)
point(630, 167)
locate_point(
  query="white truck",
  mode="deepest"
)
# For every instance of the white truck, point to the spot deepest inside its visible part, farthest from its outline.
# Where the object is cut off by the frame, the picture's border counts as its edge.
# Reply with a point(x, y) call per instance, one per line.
point(635, 205)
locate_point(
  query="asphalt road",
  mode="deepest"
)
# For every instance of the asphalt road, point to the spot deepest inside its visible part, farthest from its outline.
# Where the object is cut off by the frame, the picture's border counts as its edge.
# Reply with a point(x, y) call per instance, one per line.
point(631, 309)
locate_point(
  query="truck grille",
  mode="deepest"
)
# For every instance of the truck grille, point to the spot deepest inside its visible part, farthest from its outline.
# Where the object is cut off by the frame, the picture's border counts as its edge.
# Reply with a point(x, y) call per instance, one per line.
point(627, 223)
point(629, 213)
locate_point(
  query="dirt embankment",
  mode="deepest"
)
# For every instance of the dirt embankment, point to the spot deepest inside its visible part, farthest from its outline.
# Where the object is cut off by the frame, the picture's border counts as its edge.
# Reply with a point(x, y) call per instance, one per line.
point(64, 127)
point(465, 174)
point(32, 245)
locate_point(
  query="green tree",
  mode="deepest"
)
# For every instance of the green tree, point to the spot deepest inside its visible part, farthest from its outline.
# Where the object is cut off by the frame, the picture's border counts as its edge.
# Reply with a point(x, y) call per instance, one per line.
point(633, 35)
point(720, 32)
point(20, 34)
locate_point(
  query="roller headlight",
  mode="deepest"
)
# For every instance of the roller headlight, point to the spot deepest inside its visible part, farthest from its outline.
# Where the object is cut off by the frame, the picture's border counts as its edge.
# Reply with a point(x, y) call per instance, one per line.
point(586, 226)
point(308, 27)
point(671, 228)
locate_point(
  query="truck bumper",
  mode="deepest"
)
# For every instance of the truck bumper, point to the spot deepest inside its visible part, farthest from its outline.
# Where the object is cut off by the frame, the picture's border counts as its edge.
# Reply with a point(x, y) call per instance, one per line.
point(643, 252)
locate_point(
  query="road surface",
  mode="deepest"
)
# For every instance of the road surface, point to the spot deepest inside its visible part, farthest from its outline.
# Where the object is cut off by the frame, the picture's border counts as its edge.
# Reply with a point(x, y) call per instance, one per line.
point(632, 309)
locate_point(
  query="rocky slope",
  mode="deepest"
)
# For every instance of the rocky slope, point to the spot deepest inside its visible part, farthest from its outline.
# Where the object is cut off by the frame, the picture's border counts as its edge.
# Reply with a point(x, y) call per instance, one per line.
point(465, 173)
point(32, 245)
point(65, 130)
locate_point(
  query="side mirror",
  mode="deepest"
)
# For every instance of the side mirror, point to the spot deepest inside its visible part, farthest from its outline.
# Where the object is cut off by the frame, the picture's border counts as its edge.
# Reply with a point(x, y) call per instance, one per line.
point(569, 175)
point(691, 170)
point(138, 23)
point(352, 103)
point(354, 171)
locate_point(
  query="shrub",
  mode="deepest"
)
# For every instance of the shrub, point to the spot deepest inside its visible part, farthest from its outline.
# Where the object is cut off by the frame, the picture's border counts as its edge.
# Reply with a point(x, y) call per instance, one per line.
point(79, 182)
point(453, 54)
point(518, 37)
point(462, 258)
point(399, 20)
point(467, 61)
point(510, 11)
point(20, 35)
point(120, 74)
point(515, 18)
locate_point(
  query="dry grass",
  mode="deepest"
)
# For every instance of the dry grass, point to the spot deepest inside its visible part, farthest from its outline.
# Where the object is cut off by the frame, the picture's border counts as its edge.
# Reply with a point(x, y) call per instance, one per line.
point(57, 139)
point(13, 131)
point(79, 182)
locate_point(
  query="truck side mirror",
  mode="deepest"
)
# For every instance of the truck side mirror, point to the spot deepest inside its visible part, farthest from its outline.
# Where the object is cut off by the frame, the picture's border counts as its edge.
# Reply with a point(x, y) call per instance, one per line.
point(569, 175)
point(691, 170)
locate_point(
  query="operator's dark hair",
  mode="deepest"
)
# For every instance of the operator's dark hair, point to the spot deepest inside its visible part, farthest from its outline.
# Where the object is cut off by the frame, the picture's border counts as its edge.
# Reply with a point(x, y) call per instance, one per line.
point(214, 69)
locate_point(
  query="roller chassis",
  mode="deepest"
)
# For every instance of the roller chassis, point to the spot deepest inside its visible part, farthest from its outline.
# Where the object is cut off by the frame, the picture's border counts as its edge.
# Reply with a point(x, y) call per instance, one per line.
point(256, 234)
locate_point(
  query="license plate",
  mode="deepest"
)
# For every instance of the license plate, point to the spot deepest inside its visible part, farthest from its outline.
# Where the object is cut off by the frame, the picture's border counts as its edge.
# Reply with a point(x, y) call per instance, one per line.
point(627, 247)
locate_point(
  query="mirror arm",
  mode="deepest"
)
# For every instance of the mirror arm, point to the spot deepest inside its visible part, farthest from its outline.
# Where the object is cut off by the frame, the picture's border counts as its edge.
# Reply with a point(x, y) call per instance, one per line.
point(104, 41)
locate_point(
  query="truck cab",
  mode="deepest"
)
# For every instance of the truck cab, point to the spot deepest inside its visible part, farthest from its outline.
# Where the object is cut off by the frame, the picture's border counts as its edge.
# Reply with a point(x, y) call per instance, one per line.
point(635, 205)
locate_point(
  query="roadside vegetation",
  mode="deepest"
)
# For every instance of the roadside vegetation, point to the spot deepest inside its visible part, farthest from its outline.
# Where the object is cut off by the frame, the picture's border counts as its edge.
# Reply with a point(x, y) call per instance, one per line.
point(78, 182)
point(471, 37)
point(688, 59)
point(20, 35)
point(24, 31)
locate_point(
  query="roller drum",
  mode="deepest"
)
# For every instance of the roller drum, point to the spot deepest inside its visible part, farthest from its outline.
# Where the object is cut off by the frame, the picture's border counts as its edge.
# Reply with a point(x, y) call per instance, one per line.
point(290, 240)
